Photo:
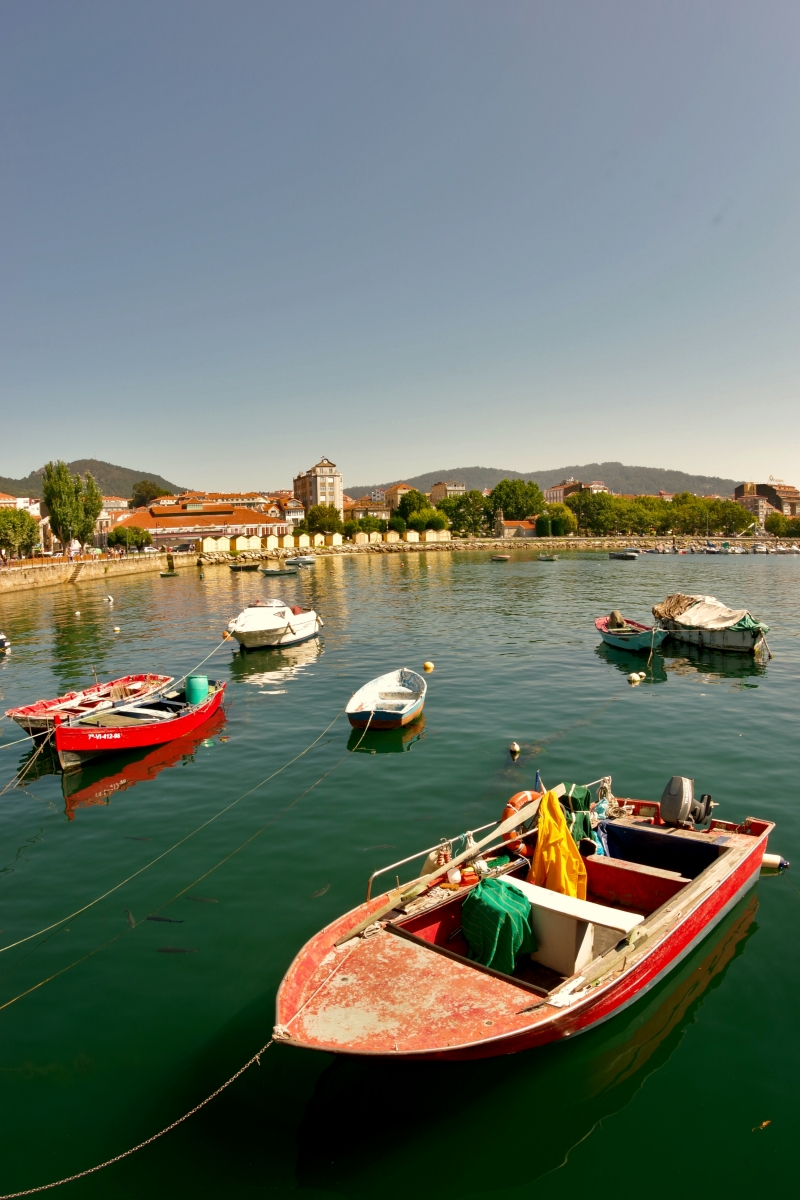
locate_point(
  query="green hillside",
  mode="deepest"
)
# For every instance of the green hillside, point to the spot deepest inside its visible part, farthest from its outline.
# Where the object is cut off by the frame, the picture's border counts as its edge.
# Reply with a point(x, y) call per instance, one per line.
point(616, 476)
point(112, 480)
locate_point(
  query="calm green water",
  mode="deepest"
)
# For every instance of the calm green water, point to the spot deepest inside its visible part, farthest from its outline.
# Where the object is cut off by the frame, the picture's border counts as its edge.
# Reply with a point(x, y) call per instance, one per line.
point(120, 1039)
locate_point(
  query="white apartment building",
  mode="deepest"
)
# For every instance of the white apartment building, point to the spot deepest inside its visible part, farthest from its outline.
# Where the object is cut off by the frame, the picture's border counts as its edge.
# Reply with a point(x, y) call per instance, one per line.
point(321, 485)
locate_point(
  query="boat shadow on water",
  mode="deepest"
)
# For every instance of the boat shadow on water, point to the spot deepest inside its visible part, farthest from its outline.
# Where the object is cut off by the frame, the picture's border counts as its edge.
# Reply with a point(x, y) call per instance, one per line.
point(565, 1089)
point(713, 666)
point(626, 661)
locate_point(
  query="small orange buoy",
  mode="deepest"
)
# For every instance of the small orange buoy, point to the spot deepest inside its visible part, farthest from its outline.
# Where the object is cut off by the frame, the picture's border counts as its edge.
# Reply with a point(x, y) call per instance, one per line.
point(427, 666)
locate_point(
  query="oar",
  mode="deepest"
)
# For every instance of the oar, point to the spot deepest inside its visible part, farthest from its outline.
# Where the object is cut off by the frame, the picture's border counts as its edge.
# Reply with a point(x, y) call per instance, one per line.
point(529, 811)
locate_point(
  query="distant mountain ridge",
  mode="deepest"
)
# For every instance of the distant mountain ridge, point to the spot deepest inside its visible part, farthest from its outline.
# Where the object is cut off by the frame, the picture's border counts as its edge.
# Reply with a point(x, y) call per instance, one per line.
point(112, 480)
point(616, 476)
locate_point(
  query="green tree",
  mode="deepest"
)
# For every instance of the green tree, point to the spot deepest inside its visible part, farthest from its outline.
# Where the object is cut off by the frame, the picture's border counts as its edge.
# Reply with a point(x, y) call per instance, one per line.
point(436, 519)
point(411, 502)
point(419, 520)
point(560, 512)
point(61, 493)
point(471, 514)
point(130, 536)
point(517, 499)
point(324, 518)
point(448, 506)
point(19, 532)
point(370, 524)
point(397, 524)
point(731, 518)
point(144, 493)
point(775, 523)
point(350, 529)
point(91, 507)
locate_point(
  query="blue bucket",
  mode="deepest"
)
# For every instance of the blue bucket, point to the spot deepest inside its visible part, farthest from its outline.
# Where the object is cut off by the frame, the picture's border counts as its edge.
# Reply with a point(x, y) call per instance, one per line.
point(196, 689)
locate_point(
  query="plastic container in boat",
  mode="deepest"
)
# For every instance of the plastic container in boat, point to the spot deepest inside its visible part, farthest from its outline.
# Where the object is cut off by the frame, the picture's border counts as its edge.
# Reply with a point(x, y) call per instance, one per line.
point(196, 689)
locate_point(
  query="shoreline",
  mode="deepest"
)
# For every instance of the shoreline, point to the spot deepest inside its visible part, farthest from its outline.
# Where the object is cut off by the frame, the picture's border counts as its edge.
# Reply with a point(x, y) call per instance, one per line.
point(37, 575)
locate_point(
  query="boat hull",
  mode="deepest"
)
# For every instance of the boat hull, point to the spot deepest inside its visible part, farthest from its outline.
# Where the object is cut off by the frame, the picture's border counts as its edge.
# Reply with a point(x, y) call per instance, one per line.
point(274, 639)
point(648, 640)
point(424, 1009)
point(40, 717)
point(76, 744)
point(381, 719)
point(738, 641)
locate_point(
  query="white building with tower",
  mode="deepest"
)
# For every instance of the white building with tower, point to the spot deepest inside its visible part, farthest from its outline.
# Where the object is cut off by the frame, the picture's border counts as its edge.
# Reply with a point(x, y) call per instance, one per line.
point(321, 485)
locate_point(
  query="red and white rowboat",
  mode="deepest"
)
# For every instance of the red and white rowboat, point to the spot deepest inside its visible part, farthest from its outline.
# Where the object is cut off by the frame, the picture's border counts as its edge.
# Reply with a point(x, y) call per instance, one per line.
point(392, 977)
point(135, 726)
point(39, 717)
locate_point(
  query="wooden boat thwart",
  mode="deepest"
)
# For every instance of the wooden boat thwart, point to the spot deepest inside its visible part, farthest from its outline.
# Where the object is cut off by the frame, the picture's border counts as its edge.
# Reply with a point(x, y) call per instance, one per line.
point(392, 977)
point(38, 717)
point(631, 636)
point(134, 726)
point(389, 701)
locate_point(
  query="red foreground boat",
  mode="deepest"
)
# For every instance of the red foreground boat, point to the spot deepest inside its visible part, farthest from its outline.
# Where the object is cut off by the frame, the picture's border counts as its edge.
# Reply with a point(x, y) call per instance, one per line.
point(393, 977)
point(133, 726)
point(39, 717)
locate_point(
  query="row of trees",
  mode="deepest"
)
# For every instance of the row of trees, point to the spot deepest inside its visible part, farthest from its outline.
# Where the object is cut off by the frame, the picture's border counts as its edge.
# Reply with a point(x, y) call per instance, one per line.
point(600, 514)
point(131, 537)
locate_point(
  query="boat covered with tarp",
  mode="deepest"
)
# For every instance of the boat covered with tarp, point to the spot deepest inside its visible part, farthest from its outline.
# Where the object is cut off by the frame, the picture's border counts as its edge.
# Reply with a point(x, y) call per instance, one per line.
point(527, 936)
point(706, 621)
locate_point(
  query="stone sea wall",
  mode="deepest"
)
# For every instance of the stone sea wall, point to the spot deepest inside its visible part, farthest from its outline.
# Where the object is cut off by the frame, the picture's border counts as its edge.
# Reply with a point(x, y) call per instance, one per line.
point(19, 578)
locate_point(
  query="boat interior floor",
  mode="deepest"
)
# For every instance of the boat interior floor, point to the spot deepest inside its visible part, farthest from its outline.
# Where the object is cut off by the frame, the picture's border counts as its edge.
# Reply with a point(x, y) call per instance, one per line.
point(649, 867)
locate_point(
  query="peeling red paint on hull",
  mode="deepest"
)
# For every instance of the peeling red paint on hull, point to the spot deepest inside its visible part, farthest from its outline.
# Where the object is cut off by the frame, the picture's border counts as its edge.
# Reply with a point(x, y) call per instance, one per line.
point(385, 995)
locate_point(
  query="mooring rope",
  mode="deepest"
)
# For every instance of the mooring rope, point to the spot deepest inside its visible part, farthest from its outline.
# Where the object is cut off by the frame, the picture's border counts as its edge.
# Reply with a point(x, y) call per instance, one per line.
point(46, 1187)
point(30, 738)
point(147, 866)
point(63, 970)
point(15, 782)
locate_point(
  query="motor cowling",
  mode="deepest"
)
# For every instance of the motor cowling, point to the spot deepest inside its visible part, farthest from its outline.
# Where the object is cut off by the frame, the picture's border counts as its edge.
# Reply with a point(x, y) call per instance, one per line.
point(679, 806)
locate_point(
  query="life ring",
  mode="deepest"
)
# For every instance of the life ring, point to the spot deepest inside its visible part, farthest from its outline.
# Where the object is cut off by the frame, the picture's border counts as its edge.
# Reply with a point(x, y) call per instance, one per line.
point(518, 801)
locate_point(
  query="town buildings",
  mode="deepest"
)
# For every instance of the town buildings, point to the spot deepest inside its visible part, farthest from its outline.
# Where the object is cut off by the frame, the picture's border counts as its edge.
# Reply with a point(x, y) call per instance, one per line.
point(322, 484)
point(190, 522)
point(444, 490)
point(781, 497)
point(559, 492)
point(395, 493)
point(365, 506)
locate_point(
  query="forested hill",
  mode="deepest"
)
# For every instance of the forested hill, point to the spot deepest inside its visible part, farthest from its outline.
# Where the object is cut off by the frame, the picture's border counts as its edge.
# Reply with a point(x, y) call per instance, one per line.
point(112, 480)
point(616, 476)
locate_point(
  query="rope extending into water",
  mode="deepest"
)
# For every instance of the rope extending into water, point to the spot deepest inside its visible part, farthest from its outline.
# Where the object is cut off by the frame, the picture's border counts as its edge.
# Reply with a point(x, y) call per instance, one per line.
point(158, 858)
point(15, 782)
point(46, 1187)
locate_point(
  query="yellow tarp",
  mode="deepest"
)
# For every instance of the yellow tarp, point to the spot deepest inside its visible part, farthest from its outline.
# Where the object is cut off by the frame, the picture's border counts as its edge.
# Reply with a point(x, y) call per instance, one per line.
point(557, 865)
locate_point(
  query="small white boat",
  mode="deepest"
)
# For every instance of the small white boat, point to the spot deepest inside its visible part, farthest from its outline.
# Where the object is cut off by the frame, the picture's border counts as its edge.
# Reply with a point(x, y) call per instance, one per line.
point(389, 701)
point(4, 642)
point(273, 623)
point(629, 555)
point(301, 560)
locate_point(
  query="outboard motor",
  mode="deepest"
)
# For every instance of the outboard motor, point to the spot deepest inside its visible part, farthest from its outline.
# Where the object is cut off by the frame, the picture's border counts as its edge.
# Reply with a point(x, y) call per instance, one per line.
point(678, 805)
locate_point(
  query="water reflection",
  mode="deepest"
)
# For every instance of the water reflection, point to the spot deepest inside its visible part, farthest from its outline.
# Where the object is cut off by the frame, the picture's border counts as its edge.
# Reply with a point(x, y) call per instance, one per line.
point(386, 741)
point(78, 649)
point(713, 666)
point(627, 662)
point(268, 669)
point(100, 779)
point(561, 1091)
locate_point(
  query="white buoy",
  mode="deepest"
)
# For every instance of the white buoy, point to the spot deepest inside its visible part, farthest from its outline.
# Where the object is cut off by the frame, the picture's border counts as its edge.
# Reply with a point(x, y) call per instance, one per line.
point(78, 613)
point(514, 750)
point(116, 629)
point(633, 678)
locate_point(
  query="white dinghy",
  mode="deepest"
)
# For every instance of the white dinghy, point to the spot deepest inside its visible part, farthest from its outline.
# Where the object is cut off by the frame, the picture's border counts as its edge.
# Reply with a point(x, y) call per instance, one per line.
point(389, 701)
point(273, 623)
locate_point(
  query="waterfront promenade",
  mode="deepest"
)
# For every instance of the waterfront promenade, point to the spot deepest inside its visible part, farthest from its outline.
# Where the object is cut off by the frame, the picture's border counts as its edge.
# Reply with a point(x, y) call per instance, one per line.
point(29, 574)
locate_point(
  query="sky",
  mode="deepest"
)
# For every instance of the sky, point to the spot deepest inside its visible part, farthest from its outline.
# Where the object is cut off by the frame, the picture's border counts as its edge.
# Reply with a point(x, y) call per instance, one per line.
point(236, 236)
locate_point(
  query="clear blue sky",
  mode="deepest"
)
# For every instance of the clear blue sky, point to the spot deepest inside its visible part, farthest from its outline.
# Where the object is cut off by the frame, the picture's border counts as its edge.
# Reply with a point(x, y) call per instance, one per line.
point(237, 236)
